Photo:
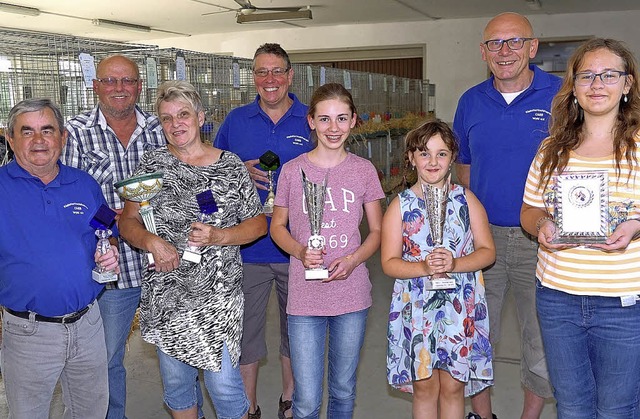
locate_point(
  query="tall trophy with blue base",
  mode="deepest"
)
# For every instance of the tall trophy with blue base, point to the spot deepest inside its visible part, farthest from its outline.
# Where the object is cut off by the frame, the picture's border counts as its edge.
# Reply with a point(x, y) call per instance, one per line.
point(208, 207)
point(314, 196)
point(101, 222)
point(435, 200)
point(141, 189)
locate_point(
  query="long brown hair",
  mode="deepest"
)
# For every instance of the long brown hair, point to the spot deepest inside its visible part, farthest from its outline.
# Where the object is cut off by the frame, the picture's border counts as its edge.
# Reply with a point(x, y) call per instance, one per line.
point(567, 117)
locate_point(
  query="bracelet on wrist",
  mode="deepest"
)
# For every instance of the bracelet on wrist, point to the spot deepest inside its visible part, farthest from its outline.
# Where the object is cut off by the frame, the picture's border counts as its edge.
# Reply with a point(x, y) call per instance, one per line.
point(541, 221)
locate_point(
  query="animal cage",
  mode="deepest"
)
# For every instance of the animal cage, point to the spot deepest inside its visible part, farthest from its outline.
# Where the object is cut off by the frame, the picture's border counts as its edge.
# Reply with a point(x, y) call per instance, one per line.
point(37, 64)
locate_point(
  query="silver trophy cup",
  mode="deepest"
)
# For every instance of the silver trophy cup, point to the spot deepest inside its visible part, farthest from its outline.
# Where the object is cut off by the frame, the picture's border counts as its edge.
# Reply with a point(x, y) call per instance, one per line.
point(314, 196)
point(435, 200)
point(141, 189)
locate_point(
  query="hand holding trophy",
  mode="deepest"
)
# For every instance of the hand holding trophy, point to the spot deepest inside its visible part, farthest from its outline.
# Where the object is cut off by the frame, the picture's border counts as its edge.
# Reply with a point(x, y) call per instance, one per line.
point(314, 195)
point(435, 200)
point(270, 162)
point(102, 221)
point(208, 206)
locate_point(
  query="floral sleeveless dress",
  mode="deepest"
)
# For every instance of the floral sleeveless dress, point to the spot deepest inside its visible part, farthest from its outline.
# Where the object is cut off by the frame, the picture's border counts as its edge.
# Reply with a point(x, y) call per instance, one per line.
point(442, 329)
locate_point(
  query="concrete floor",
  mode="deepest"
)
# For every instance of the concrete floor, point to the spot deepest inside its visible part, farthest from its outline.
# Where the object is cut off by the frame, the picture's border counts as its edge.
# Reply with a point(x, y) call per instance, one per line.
point(375, 398)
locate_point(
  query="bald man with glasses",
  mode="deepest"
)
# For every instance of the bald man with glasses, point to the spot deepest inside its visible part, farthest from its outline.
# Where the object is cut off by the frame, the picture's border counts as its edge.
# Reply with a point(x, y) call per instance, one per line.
point(499, 124)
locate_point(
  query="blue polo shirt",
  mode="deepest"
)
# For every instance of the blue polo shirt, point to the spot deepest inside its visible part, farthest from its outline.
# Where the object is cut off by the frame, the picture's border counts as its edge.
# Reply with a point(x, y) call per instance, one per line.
point(500, 140)
point(249, 132)
point(46, 242)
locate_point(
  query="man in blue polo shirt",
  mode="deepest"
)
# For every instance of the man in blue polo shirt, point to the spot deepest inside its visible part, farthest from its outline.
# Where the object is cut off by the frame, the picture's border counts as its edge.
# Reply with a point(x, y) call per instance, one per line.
point(275, 121)
point(51, 326)
point(499, 124)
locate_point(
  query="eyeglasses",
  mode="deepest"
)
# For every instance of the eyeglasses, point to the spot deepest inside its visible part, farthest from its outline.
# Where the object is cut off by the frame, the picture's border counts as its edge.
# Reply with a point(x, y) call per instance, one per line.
point(607, 77)
point(275, 72)
point(112, 81)
point(495, 45)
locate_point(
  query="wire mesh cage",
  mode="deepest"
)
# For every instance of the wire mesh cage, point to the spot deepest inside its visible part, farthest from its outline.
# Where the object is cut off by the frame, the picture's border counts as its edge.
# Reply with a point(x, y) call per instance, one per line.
point(37, 64)
point(223, 82)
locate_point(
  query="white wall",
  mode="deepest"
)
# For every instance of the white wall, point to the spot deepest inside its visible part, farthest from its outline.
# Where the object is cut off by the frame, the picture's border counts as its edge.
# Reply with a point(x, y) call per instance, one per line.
point(453, 60)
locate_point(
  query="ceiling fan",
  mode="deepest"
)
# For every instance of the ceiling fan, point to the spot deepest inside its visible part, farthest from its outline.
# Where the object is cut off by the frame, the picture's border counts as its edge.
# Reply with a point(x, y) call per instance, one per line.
point(246, 8)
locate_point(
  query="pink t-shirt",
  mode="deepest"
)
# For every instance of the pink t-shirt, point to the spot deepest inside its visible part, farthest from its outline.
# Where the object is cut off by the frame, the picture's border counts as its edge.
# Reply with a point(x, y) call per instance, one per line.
point(350, 185)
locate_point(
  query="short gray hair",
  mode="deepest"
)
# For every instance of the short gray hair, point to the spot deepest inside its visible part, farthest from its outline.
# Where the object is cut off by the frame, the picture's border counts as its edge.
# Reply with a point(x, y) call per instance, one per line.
point(178, 90)
point(272, 49)
point(33, 105)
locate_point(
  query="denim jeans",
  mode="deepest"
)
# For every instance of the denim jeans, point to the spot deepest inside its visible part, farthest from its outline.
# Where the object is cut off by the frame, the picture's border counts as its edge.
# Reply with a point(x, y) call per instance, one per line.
point(35, 355)
point(117, 307)
point(593, 353)
point(307, 337)
point(225, 387)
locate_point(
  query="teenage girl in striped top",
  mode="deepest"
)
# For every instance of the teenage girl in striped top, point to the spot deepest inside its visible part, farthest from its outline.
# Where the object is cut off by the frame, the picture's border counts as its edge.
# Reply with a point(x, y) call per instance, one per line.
point(586, 294)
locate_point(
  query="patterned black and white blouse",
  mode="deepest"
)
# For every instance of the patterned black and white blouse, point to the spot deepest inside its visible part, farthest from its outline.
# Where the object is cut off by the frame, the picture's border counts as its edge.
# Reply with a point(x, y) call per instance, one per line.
point(190, 312)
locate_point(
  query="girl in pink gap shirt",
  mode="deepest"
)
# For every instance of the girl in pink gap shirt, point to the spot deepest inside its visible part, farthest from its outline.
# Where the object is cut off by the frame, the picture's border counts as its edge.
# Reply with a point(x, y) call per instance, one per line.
point(338, 304)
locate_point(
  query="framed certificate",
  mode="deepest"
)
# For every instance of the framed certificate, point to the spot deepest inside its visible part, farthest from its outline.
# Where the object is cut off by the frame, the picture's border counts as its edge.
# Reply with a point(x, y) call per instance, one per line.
point(582, 207)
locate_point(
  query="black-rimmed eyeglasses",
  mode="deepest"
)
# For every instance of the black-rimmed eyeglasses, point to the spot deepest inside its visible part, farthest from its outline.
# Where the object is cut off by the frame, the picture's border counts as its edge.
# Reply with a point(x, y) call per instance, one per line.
point(495, 45)
point(112, 81)
point(607, 77)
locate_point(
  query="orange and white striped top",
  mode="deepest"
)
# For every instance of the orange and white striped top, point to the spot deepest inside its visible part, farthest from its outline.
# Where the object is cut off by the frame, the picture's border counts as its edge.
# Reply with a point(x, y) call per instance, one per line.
point(581, 270)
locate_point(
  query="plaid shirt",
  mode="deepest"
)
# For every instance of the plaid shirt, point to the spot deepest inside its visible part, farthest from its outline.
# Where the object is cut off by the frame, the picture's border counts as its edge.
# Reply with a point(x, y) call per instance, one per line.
point(92, 146)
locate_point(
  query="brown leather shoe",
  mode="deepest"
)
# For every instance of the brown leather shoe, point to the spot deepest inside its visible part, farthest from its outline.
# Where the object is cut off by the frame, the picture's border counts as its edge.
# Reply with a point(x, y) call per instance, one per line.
point(284, 406)
point(255, 415)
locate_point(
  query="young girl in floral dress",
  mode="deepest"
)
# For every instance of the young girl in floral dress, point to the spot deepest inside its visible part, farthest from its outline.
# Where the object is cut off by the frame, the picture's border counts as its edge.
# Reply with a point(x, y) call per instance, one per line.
point(438, 340)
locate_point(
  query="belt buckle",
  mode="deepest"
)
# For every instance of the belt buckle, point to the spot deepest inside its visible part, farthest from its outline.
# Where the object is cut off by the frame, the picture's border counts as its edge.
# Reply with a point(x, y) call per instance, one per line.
point(68, 318)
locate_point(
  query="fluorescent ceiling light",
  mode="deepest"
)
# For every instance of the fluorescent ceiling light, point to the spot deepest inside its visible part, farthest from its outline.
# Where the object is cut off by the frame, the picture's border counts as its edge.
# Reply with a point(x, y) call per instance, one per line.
point(275, 16)
point(114, 24)
point(19, 10)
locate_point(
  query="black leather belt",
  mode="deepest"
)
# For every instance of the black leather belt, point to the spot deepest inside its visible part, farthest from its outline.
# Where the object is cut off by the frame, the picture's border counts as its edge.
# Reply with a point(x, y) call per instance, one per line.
point(67, 318)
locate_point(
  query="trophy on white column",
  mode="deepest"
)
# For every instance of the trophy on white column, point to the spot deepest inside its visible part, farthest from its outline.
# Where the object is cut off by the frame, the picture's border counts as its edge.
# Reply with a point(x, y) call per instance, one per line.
point(435, 200)
point(208, 206)
point(270, 162)
point(102, 221)
point(314, 196)
point(141, 189)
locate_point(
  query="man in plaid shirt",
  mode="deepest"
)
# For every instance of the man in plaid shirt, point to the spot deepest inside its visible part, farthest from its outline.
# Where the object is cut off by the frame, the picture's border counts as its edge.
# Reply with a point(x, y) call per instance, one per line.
point(107, 143)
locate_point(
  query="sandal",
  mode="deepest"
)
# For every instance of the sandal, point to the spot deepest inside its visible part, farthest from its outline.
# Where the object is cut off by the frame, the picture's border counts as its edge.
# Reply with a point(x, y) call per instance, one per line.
point(284, 406)
point(255, 415)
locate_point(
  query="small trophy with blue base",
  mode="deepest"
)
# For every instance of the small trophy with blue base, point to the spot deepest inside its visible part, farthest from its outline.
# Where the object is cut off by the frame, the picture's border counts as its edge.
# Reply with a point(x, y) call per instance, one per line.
point(102, 221)
point(208, 206)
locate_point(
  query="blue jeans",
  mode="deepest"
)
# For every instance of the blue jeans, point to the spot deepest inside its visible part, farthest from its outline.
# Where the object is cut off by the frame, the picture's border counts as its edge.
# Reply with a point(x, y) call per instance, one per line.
point(35, 355)
point(307, 337)
point(117, 307)
point(225, 387)
point(593, 352)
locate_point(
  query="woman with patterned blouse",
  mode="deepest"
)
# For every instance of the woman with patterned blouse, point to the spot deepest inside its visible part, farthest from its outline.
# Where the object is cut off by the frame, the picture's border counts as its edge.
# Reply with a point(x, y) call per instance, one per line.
point(192, 311)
